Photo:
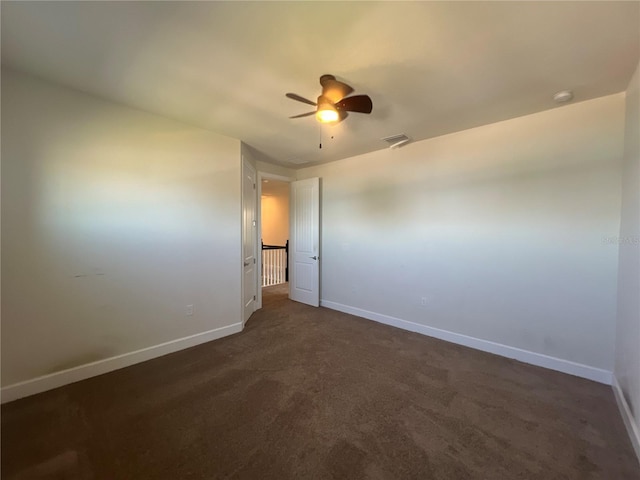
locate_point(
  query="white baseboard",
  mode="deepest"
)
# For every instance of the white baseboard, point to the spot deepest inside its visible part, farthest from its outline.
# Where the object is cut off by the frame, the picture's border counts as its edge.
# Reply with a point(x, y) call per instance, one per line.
point(629, 422)
point(82, 372)
point(541, 360)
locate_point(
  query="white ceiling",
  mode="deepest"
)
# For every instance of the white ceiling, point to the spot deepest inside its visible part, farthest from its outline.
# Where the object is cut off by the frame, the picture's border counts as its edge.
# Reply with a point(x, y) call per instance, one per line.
point(430, 67)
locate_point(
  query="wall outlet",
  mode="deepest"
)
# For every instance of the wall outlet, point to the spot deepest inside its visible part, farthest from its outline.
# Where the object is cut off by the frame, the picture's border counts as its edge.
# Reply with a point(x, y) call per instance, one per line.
point(189, 310)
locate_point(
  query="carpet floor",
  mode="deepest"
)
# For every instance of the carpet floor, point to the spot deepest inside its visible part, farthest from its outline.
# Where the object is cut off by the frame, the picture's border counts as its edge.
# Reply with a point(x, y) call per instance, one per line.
point(311, 393)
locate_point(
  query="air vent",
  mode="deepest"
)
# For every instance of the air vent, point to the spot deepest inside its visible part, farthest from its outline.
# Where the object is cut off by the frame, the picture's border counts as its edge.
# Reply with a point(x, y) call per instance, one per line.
point(396, 141)
point(563, 97)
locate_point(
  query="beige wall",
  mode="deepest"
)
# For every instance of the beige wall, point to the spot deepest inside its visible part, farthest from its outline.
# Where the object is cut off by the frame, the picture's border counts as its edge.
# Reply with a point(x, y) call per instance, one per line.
point(275, 214)
point(496, 233)
point(113, 220)
point(275, 169)
point(627, 368)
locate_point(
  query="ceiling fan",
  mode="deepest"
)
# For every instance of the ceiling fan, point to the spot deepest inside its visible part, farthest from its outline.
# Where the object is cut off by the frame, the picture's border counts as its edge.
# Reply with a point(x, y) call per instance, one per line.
point(333, 104)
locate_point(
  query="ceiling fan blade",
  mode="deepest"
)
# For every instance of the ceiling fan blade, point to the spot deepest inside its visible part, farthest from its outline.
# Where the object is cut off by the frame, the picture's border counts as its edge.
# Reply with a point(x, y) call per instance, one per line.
point(334, 89)
point(294, 96)
point(304, 114)
point(357, 103)
point(342, 115)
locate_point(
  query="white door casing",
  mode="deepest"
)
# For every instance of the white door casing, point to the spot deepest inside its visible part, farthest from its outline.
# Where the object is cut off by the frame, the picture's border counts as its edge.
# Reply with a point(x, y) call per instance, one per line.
point(304, 247)
point(249, 235)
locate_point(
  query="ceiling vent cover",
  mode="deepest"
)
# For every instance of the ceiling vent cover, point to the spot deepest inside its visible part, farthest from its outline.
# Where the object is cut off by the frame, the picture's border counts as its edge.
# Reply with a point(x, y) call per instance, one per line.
point(396, 141)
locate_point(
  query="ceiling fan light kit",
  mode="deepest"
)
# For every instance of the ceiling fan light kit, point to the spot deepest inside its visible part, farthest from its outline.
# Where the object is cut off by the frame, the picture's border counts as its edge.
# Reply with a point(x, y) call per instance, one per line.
point(333, 104)
point(327, 112)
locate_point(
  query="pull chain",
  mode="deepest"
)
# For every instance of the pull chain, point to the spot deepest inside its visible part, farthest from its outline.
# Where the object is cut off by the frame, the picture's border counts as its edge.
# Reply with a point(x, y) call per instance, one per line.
point(320, 127)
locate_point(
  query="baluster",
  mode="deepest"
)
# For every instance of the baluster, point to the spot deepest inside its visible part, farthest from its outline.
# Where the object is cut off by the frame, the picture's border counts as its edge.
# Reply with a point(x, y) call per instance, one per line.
point(278, 267)
point(271, 265)
point(268, 267)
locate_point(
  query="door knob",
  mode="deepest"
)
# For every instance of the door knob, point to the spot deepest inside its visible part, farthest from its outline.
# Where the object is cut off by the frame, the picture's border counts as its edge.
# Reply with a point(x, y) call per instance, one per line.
point(246, 264)
point(313, 258)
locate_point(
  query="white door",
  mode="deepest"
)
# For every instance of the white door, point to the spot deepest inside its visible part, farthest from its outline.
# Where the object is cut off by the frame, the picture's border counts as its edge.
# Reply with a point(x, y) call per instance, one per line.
point(249, 269)
point(304, 248)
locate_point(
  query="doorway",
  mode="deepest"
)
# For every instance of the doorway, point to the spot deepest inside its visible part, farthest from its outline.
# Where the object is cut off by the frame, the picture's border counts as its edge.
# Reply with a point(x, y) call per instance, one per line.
point(301, 238)
point(273, 234)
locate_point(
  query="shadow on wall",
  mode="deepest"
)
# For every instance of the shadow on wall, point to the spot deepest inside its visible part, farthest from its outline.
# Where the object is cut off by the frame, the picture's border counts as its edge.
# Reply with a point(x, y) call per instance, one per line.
point(388, 200)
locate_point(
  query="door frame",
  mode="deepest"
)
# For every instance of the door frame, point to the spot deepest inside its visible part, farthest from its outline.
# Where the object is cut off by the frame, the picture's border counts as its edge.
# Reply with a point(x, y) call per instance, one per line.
point(264, 176)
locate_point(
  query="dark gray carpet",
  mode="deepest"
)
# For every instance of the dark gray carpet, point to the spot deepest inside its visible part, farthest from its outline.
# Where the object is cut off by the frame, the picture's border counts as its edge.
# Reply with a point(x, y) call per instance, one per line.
point(307, 393)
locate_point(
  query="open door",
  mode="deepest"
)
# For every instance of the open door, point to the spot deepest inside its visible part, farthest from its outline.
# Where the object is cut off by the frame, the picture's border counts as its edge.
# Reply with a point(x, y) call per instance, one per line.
point(249, 268)
point(304, 247)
